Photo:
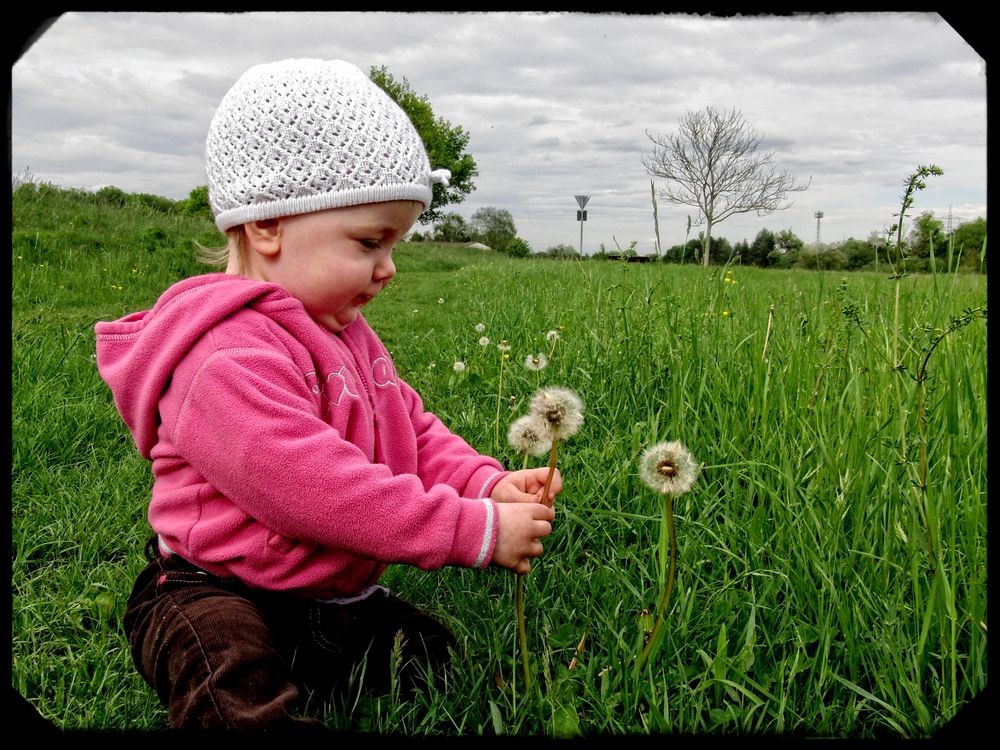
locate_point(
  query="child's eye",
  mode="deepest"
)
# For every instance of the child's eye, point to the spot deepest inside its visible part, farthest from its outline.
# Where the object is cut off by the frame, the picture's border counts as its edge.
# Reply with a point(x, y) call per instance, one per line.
point(370, 244)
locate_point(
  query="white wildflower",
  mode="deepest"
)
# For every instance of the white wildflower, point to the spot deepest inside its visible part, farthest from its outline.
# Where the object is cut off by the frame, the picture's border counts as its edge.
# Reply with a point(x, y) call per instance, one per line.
point(560, 410)
point(528, 435)
point(668, 468)
point(536, 362)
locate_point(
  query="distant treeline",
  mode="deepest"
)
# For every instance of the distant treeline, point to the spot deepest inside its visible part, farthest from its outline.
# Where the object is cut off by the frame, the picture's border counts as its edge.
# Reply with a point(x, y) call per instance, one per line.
point(927, 247)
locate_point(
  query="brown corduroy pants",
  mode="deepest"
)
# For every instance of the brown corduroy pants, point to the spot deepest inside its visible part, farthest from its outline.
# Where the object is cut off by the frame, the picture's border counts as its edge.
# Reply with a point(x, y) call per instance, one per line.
point(223, 656)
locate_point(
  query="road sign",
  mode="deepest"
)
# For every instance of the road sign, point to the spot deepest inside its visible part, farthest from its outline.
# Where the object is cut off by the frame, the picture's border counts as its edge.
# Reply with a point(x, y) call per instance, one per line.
point(582, 200)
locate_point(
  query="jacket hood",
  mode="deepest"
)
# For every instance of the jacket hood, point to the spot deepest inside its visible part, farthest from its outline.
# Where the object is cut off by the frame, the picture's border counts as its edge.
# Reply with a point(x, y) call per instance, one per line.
point(137, 354)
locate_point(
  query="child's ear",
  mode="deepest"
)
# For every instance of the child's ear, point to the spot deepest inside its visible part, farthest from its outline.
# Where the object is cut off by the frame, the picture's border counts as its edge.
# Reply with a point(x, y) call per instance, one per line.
point(264, 236)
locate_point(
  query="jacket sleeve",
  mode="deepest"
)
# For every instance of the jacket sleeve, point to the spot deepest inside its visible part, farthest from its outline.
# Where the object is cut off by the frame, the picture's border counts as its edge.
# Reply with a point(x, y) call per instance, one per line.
point(444, 457)
point(248, 425)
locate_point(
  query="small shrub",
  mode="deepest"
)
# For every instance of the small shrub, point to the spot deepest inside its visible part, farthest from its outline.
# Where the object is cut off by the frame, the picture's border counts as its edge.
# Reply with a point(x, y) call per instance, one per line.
point(112, 196)
point(517, 248)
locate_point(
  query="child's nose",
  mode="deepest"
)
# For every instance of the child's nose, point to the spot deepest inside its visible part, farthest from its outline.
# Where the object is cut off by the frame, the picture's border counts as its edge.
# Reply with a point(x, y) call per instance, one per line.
point(385, 269)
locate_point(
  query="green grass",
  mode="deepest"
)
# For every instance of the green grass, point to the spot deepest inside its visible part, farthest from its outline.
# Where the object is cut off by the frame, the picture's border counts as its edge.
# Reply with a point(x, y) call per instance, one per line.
point(806, 602)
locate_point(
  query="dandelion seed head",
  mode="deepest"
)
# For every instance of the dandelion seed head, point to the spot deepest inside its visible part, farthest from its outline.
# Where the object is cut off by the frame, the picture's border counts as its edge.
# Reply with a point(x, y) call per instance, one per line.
point(552, 335)
point(560, 410)
point(503, 346)
point(440, 300)
point(480, 328)
point(668, 468)
point(528, 435)
point(536, 362)
point(458, 366)
point(483, 341)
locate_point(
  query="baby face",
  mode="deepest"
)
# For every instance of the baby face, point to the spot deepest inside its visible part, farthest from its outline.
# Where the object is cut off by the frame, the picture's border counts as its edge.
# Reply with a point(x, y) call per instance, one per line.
point(336, 261)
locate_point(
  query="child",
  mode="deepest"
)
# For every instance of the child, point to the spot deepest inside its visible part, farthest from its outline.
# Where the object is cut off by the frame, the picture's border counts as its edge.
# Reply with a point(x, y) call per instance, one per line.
point(291, 463)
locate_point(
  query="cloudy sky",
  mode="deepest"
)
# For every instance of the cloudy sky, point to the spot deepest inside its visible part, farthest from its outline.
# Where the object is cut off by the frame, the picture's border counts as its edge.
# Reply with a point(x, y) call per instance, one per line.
point(556, 105)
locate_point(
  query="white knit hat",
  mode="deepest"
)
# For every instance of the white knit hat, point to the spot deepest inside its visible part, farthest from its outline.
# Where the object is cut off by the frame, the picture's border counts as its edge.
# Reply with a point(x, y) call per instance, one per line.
point(296, 136)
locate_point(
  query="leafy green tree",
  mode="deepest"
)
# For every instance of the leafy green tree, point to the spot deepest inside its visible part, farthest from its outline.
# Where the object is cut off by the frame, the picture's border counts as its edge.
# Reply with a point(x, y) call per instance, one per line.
point(787, 247)
point(493, 227)
point(712, 164)
point(969, 239)
point(197, 203)
point(452, 228)
point(722, 251)
point(822, 257)
point(517, 248)
point(741, 249)
point(445, 143)
point(563, 251)
point(760, 249)
point(927, 233)
point(786, 241)
point(858, 254)
point(112, 195)
point(689, 252)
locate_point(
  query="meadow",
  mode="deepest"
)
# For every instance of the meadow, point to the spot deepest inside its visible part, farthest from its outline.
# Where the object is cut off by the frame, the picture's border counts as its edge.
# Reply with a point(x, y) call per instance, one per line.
point(832, 554)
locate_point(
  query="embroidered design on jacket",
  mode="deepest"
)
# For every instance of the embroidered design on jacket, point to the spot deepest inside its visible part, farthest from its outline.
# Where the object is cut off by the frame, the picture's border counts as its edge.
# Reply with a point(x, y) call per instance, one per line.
point(383, 373)
point(336, 385)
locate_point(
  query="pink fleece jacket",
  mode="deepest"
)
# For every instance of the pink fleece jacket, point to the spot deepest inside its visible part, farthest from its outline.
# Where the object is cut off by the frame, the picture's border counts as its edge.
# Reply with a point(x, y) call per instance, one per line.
point(285, 455)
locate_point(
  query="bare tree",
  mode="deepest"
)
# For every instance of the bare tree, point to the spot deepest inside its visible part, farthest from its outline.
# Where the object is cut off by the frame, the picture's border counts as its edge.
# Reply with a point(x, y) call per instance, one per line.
point(714, 163)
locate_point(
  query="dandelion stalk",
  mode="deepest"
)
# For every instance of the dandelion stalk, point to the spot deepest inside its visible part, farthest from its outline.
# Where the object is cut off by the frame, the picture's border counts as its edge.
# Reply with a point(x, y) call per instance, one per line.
point(552, 471)
point(653, 641)
point(522, 633)
point(555, 415)
point(670, 470)
point(526, 436)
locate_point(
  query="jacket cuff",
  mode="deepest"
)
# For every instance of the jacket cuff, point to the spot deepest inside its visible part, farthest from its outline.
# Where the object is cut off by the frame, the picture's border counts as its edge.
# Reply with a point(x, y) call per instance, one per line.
point(476, 535)
point(482, 482)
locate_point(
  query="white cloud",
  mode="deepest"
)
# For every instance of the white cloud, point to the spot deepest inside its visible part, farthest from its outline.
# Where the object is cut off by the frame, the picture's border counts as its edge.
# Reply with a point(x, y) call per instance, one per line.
point(555, 104)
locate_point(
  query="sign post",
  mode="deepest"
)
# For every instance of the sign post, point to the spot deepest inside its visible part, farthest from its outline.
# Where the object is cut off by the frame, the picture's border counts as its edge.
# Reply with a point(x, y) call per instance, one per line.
point(581, 216)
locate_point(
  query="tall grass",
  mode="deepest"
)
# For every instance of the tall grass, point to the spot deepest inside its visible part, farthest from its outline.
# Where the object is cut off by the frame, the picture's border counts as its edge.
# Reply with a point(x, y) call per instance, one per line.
point(805, 600)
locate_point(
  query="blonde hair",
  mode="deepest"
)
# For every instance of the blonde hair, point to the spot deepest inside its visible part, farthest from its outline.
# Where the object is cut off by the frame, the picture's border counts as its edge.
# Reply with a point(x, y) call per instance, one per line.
point(228, 256)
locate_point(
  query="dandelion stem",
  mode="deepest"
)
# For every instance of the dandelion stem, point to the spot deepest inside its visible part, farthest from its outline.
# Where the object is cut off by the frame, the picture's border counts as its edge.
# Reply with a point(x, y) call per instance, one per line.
point(661, 609)
point(552, 470)
point(521, 631)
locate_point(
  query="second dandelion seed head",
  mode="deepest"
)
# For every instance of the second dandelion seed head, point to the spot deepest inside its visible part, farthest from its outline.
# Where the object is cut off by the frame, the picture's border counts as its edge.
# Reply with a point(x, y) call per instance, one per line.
point(528, 435)
point(560, 410)
point(536, 362)
point(668, 468)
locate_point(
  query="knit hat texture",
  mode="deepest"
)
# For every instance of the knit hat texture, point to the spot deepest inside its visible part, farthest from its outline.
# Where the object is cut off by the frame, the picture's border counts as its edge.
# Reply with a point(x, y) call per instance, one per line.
point(304, 135)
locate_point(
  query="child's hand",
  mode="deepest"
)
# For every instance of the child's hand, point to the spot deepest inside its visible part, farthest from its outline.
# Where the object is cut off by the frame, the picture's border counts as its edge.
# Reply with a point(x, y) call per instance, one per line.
point(526, 486)
point(519, 527)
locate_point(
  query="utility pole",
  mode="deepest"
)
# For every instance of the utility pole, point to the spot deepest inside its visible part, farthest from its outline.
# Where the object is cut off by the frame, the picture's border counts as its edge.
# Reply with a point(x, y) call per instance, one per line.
point(818, 215)
point(581, 216)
